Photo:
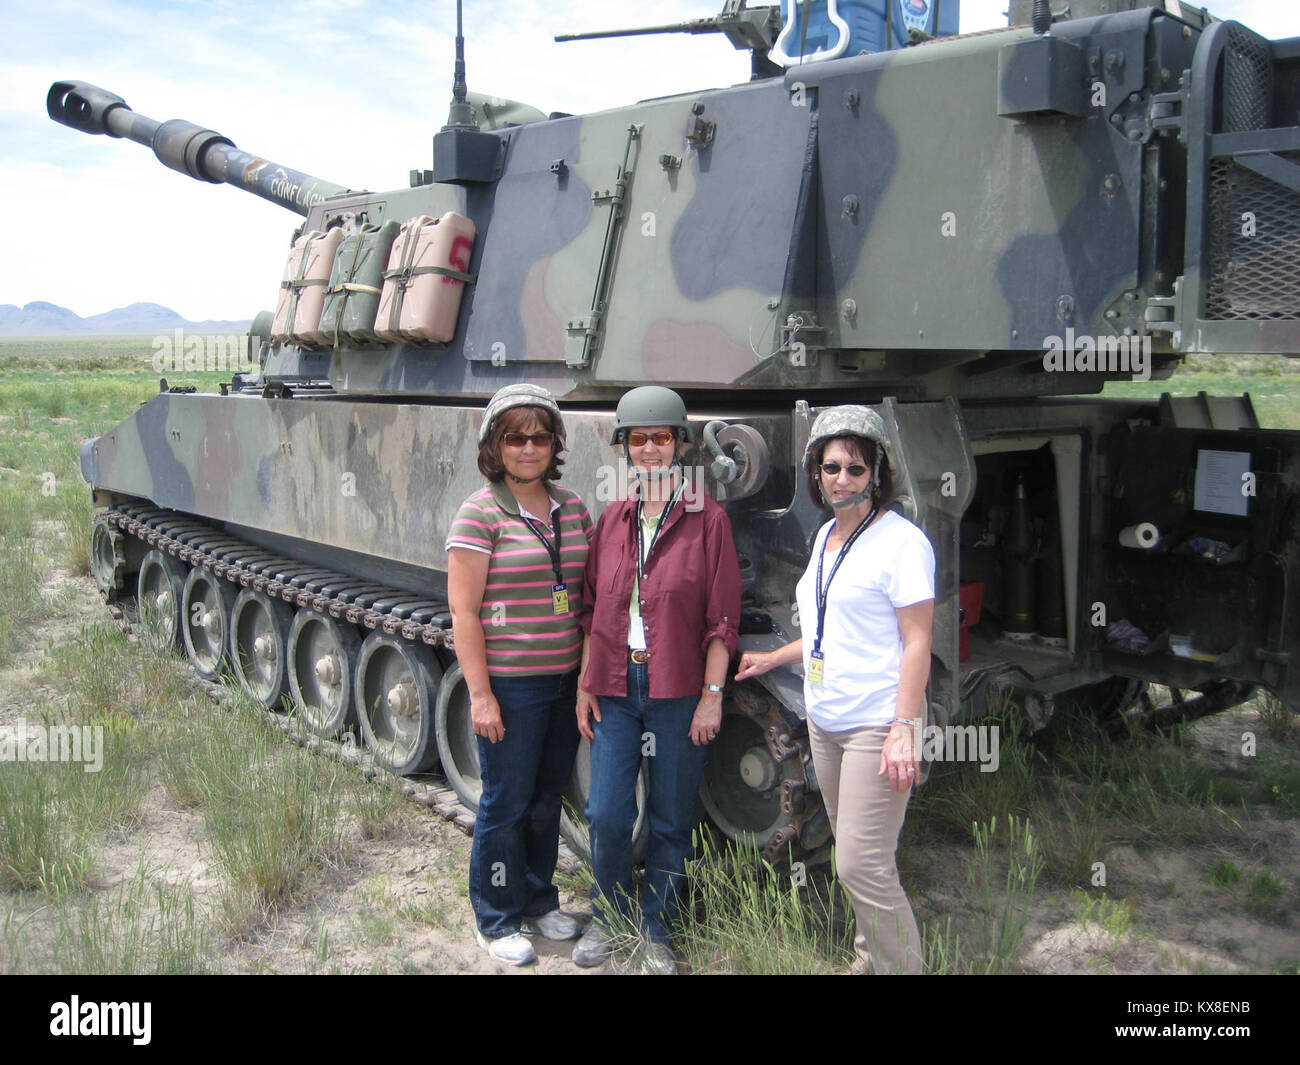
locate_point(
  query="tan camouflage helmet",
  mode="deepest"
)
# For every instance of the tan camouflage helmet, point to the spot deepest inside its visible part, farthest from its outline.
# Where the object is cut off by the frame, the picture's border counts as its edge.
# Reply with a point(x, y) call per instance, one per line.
point(520, 395)
point(849, 420)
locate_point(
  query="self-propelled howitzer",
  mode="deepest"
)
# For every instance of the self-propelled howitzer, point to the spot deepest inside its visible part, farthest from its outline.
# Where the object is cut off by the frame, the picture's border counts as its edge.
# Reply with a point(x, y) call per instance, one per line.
point(967, 234)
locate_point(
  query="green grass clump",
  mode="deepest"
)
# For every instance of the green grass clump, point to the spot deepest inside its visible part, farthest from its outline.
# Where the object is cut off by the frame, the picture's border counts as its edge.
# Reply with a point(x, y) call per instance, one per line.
point(1266, 897)
point(1070, 835)
point(986, 934)
point(1002, 910)
point(271, 811)
point(960, 794)
point(20, 593)
point(40, 849)
point(1277, 719)
point(379, 806)
point(1115, 917)
point(743, 915)
point(145, 927)
point(73, 511)
point(1223, 874)
point(111, 796)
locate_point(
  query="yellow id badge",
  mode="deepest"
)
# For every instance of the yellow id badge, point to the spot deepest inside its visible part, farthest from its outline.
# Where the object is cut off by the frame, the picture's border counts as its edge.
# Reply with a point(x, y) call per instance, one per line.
point(560, 598)
point(816, 667)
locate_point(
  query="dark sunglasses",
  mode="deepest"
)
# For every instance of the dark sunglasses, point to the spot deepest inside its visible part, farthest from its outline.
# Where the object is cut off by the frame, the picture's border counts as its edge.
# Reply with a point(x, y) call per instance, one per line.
point(661, 439)
point(520, 439)
point(832, 469)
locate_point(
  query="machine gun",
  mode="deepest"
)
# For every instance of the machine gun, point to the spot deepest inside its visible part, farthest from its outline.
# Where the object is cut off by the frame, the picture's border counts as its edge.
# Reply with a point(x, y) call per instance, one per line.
point(754, 28)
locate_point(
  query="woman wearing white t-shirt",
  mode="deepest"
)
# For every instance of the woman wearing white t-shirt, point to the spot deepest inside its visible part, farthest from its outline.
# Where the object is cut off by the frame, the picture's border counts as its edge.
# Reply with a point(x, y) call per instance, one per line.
point(866, 606)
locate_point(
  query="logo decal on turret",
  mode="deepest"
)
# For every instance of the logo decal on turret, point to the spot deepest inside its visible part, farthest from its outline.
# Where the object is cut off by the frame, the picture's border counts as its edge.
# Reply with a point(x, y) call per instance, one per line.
point(918, 15)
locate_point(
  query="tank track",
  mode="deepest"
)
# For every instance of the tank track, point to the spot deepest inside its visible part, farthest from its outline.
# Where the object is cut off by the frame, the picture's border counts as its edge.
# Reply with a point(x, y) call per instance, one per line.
point(340, 596)
point(374, 606)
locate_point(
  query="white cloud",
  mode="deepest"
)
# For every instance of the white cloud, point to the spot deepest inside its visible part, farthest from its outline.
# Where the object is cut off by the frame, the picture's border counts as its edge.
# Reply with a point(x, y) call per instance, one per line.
point(348, 91)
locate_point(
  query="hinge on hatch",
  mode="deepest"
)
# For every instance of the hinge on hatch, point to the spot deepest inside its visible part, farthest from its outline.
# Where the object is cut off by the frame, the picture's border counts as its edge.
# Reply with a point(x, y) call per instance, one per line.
point(583, 330)
point(1168, 110)
point(1164, 313)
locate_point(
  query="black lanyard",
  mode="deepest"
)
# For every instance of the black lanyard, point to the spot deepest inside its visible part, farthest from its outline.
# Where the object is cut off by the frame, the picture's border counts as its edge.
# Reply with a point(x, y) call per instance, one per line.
point(824, 593)
point(642, 557)
point(551, 549)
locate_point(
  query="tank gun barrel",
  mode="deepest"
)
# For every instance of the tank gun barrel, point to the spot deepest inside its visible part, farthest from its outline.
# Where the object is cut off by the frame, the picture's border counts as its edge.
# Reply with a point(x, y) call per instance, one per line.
point(203, 154)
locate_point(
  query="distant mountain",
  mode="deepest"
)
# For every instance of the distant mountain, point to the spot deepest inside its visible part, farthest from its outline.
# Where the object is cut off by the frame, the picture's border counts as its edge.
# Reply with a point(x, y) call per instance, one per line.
point(39, 318)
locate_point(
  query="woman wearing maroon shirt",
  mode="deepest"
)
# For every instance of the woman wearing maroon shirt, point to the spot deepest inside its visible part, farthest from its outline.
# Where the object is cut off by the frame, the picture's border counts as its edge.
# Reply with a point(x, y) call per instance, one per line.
point(661, 608)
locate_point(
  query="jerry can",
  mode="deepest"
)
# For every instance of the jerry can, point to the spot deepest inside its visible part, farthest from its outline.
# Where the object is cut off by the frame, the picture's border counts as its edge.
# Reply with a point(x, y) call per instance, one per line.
point(425, 278)
point(355, 284)
point(302, 292)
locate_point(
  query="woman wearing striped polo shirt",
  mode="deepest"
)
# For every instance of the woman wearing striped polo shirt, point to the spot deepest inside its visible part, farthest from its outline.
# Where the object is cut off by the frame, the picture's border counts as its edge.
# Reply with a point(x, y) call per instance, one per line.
point(515, 559)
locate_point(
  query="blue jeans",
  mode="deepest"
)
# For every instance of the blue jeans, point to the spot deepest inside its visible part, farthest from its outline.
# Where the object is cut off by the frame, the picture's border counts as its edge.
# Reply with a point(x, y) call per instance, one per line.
point(673, 771)
point(517, 833)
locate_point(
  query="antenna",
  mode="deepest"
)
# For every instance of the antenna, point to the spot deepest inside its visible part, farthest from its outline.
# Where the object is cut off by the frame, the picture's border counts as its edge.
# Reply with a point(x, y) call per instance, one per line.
point(463, 154)
point(461, 114)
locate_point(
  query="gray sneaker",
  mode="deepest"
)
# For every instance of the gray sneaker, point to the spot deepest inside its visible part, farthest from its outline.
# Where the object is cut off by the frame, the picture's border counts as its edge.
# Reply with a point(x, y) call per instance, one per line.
point(657, 960)
point(594, 947)
point(514, 949)
point(554, 925)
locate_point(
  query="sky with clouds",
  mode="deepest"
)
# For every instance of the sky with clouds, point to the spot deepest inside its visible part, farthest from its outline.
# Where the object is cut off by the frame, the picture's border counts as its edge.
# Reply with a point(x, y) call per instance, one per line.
point(346, 90)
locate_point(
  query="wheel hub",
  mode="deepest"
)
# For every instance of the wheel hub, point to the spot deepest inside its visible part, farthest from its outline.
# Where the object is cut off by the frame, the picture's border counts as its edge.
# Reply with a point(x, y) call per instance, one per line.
point(211, 623)
point(401, 700)
point(757, 769)
point(264, 647)
point(327, 670)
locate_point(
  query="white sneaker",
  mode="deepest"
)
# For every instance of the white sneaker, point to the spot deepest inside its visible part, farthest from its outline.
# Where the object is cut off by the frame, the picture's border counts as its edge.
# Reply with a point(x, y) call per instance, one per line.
point(594, 946)
point(657, 960)
point(554, 925)
point(514, 949)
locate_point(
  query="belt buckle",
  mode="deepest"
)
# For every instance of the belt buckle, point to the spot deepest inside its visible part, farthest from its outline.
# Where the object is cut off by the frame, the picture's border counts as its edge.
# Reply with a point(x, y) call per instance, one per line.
point(639, 656)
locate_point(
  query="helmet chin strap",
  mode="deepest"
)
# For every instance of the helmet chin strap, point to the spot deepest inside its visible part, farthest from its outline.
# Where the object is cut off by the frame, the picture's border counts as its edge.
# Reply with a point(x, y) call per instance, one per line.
point(654, 475)
point(660, 473)
point(853, 500)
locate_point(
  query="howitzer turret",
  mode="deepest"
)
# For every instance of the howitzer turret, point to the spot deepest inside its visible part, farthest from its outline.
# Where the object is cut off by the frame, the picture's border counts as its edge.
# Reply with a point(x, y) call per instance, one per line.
point(203, 154)
point(969, 235)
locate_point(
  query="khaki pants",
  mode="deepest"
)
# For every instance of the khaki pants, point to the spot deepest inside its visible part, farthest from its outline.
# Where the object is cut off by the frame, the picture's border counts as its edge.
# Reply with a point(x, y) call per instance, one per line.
point(866, 816)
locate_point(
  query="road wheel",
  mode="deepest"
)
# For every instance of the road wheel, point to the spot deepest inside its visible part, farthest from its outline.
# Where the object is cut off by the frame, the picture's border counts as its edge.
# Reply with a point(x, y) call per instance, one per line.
point(159, 588)
point(322, 654)
point(394, 697)
point(206, 602)
point(259, 630)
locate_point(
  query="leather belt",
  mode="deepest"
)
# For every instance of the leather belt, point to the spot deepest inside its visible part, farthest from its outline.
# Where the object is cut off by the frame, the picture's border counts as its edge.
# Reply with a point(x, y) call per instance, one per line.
point(639, 656)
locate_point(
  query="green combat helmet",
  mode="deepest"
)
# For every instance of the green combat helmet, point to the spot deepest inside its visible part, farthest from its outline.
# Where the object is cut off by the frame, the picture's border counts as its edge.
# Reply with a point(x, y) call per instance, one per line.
point(650, 405)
